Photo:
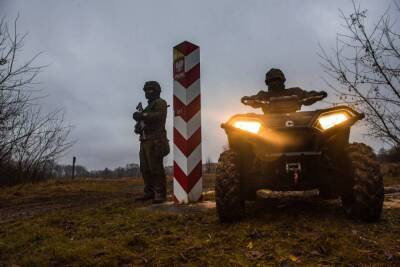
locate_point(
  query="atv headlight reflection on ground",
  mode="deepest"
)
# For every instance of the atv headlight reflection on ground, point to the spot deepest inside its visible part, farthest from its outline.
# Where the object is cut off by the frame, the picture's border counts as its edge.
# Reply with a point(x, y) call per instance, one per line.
point(329, 120)
point(247, 125)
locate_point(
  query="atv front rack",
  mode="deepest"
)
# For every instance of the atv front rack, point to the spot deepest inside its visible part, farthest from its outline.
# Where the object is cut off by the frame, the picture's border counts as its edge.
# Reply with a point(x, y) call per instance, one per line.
point(269, 194)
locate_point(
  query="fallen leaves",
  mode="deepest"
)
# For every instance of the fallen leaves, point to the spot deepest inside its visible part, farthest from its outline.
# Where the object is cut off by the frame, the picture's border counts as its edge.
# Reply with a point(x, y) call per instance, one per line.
point(254, 254)
point(293, 258)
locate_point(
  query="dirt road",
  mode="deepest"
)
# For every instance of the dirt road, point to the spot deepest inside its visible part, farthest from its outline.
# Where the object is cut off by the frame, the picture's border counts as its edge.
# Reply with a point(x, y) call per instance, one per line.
point(30, 200)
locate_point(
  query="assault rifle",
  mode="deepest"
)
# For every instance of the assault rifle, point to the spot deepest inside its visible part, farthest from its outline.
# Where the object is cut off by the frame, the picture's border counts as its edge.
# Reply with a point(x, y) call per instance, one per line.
point(139, 126)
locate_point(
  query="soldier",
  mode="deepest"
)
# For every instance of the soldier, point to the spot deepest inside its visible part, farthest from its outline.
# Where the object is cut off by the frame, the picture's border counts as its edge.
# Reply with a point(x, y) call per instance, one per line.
point(275, 80)
point(153, 144)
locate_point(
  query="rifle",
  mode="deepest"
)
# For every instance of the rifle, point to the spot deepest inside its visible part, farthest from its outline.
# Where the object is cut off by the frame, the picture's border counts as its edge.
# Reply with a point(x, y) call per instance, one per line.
point(139, 126)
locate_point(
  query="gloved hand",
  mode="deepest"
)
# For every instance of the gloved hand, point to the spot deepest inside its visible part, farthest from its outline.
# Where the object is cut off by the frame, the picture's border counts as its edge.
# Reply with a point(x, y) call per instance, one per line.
point(314, 97)
point(244, 99)
point(250, 101)
point(137, 116)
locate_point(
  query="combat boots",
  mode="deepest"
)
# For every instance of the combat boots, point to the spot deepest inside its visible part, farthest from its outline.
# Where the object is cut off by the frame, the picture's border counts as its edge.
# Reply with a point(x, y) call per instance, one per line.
point(159, 198)
point(144, 197)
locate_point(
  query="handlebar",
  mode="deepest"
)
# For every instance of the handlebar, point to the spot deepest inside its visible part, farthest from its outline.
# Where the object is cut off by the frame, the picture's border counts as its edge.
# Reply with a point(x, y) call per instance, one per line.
point(258, 102)
point(314, 97)
point(250, 101)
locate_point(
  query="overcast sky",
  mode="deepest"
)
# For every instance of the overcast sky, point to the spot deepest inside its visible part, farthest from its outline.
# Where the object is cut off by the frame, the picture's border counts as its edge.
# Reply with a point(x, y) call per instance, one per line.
point(100, 53)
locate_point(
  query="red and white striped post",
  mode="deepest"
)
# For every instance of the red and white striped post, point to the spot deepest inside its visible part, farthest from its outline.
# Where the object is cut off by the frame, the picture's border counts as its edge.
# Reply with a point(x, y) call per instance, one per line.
point(188, 185)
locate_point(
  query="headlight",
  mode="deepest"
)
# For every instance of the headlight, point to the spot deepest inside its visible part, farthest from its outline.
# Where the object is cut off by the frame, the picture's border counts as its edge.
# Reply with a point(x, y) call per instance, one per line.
point(329, 120)
point(249, 126)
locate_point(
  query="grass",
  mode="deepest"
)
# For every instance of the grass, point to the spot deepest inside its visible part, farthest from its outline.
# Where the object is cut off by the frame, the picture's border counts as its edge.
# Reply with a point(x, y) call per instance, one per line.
point(390, 181)
point(96, 223)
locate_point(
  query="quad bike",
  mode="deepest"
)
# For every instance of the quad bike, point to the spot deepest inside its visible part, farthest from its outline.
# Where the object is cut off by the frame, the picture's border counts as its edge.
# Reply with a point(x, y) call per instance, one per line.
point(290, 152)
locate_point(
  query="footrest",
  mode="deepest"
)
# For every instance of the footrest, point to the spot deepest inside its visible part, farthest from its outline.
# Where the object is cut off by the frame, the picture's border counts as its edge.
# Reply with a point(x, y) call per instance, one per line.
point(266, 193)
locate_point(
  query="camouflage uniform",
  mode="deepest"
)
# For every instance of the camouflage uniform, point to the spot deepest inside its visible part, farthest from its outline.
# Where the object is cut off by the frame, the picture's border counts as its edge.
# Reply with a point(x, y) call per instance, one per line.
point(275, 80)
point(153, 145)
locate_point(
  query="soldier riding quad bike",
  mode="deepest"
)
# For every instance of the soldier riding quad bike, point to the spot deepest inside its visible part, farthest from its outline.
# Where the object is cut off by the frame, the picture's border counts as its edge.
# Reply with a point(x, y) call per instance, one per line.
point(284, 151)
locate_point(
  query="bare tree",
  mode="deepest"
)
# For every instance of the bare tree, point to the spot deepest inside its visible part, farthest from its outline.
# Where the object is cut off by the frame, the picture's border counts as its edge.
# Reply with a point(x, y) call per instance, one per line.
point(366, 66)
point(30, 140)
point(13, 80)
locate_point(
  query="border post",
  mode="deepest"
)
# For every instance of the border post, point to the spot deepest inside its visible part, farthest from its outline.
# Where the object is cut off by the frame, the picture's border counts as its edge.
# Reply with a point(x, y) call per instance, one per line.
point(187, 182)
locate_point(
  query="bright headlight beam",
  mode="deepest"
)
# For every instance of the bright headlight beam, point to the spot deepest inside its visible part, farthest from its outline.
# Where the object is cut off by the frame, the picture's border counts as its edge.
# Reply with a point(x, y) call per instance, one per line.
point(330, 120)
point(249, 126)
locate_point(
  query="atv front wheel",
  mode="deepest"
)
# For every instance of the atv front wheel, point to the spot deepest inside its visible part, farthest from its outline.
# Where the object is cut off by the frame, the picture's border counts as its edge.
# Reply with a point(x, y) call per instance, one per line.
point(229, 201)
point(363, 198)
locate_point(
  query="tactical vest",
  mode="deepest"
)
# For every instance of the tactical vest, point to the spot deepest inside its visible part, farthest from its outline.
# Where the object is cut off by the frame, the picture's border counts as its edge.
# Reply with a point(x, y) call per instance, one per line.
point(155, 128)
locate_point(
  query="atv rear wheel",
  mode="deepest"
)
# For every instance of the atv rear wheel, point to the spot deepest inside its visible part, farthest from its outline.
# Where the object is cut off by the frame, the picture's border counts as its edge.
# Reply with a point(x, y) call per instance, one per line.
point(363, 198)
point(228, 195)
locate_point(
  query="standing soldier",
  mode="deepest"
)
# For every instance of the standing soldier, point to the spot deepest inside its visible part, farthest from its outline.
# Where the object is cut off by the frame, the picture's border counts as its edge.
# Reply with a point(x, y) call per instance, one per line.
point(153, 143)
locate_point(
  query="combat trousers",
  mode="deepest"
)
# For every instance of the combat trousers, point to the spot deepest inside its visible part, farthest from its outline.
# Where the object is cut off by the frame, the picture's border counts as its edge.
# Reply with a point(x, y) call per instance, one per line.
point(152, 168)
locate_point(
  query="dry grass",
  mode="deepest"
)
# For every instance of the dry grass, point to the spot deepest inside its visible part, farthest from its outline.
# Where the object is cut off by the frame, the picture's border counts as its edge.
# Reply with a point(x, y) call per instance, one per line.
point(96, 223)
point(390, 181)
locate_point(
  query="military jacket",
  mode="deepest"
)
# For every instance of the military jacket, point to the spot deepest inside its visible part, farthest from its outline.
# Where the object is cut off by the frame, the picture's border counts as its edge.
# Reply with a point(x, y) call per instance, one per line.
point(154, 116)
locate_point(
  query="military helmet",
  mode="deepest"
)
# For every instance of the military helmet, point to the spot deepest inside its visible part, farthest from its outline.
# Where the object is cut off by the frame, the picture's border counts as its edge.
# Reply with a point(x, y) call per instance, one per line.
point(152, 85)
point(274, 74)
